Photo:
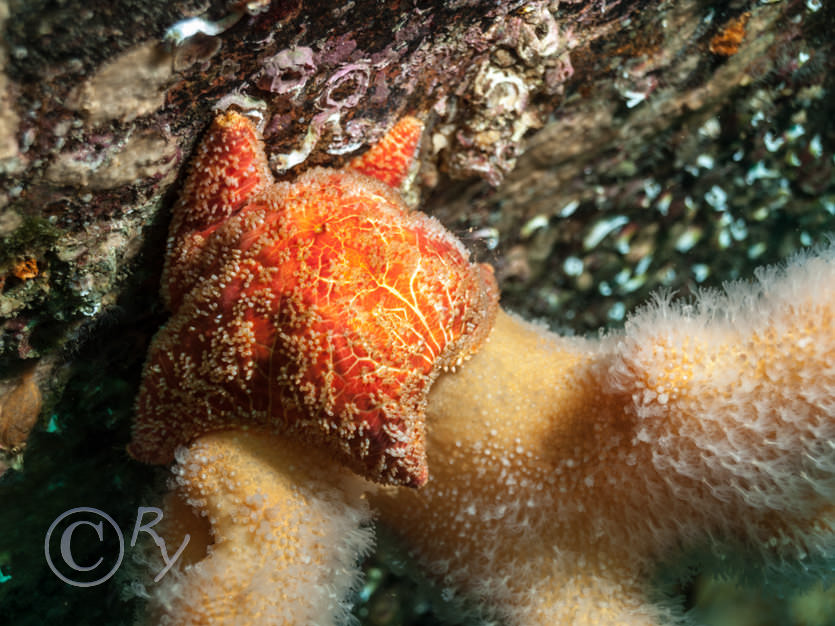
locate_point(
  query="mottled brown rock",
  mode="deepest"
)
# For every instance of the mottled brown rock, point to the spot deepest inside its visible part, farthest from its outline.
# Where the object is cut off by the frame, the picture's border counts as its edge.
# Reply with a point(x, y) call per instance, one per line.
point(19, 410)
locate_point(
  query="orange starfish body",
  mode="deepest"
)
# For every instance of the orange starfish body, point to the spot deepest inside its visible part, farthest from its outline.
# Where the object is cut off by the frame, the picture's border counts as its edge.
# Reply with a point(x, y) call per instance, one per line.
point(322, 308)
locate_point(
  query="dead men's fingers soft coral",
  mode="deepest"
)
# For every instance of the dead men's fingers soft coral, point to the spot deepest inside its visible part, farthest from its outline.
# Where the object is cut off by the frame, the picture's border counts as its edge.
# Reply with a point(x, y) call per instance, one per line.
point(559, 478)
point(320, 325)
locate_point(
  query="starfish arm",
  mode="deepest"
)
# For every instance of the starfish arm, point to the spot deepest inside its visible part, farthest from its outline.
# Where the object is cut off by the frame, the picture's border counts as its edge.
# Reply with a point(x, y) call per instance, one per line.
point(195, 380)
point(390, 159)
point(229, 169)
point(285, 531)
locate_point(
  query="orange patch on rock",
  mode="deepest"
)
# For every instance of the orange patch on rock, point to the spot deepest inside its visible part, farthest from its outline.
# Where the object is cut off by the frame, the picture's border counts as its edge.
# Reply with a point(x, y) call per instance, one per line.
point(726, 42)
point(25, 268)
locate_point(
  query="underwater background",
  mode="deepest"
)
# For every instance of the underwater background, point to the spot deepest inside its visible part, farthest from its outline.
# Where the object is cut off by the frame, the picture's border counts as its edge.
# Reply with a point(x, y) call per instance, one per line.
point(622, 149)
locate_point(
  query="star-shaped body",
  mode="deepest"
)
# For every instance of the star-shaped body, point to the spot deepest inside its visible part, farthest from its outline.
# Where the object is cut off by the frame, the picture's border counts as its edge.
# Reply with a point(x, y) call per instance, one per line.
point(322, 308)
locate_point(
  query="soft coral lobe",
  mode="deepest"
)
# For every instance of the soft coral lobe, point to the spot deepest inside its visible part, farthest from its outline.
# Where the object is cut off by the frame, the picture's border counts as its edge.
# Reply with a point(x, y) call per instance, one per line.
point(321, 308)
point(564, 469)
point(278, 542)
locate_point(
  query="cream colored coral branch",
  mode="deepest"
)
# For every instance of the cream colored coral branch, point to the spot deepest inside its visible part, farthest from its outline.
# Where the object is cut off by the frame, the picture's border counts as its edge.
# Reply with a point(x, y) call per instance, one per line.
point(282, 533)
point(561, 469)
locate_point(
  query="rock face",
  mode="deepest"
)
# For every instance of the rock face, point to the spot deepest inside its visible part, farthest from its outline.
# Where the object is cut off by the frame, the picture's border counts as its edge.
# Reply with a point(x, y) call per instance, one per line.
point(653, 119)
point(592, 151)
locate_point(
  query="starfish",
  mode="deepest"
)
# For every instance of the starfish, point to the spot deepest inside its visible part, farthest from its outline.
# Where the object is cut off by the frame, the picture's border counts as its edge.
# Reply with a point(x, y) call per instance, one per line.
point(321, 308)
point(560, 469)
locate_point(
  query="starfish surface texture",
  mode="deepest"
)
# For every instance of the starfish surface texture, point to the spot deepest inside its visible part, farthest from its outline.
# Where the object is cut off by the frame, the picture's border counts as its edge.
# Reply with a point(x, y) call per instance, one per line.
point(321, 308)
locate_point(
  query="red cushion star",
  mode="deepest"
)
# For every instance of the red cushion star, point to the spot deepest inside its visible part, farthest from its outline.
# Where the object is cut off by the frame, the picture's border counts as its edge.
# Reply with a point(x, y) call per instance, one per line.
point(321, 308)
